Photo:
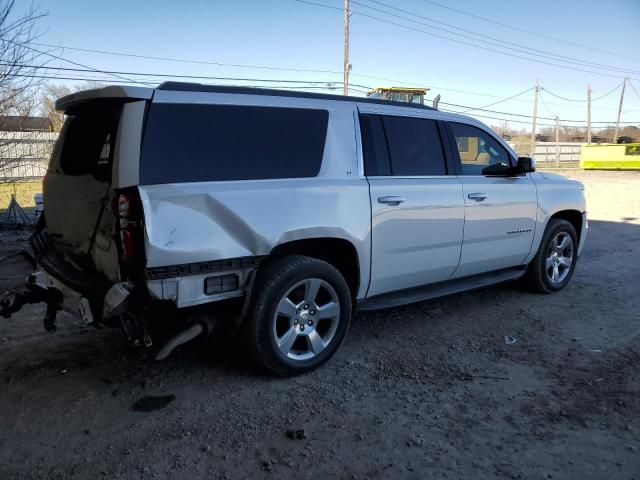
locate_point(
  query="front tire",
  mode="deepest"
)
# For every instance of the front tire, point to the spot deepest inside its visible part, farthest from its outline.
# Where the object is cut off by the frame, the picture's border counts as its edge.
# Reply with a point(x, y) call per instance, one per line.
point(553, 266)
point(299, 314)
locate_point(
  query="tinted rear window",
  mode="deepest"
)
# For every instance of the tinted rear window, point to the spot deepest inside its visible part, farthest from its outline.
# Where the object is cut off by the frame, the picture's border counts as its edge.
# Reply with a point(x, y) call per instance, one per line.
point(193, 143)
point(88, 140)
point(414, 146)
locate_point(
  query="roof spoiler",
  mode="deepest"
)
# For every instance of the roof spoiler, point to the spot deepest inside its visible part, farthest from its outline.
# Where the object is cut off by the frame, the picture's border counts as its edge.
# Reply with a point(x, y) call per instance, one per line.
point(134, 93)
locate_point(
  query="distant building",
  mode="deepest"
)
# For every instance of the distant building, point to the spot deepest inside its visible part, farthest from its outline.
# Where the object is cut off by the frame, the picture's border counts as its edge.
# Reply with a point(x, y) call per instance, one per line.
point(25, 124)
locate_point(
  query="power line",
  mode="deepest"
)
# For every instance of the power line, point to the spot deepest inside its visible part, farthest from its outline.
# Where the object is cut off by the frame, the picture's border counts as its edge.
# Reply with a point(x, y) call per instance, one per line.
point(514, 114)
point(467, 92)
point(57, 77)
point(459, 41)
point(131, 81)
point(319, 5)
point(542, 53)
point(583, 100)
point(634, 89)
point(511, 120)
point(483, 47)
point(481, 115)
point(267, 67)
point(544, 104)
point(506, 25)
point(183, 60)
point(360, 89)
point(169, 75)
point(314, 85)
point(507, 99)
point(59, 57)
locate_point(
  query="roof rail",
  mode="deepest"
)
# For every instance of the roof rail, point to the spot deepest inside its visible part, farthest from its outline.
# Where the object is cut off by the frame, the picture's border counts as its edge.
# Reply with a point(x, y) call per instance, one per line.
point(199, 87)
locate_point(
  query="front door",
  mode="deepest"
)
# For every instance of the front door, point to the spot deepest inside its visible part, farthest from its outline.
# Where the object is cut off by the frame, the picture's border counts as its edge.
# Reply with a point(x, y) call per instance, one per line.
point(500, 212)
point(417, 209)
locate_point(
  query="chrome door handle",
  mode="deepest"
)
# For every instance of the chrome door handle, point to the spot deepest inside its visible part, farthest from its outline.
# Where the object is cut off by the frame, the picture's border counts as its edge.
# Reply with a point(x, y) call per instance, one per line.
point(392, 200)
point(478, 197)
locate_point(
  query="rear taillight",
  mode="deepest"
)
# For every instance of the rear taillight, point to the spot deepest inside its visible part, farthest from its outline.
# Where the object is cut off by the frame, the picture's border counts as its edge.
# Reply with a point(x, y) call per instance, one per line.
point(129, 228)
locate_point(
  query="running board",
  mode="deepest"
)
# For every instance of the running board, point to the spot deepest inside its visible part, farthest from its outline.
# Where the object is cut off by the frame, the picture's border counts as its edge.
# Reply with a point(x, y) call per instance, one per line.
point(441, 289)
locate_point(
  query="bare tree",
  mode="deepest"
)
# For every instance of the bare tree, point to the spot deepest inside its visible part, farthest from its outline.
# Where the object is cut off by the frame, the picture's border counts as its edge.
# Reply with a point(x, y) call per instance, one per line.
point(19, 82)
point(48, 105)
point(52, 92)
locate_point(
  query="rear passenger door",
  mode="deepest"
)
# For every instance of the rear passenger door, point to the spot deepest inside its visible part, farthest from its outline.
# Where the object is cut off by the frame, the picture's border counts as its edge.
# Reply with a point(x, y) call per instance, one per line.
point(500, 212)
point(417, 208)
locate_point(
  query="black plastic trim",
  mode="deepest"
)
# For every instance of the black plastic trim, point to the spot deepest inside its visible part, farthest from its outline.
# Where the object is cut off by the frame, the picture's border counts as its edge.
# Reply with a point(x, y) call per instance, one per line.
point(440, 289)
point(449, 155)
point(197, 268)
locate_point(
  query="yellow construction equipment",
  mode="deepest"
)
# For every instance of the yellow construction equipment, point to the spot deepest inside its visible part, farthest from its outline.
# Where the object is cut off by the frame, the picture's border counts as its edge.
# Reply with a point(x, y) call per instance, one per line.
point(399, 94)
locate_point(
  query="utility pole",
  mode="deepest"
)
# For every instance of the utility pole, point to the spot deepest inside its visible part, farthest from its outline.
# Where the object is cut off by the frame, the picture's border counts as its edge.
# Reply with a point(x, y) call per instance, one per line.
point(589, 113)
point(535, 115)
point(346, 66)
point(615, 132)
point(557, 141)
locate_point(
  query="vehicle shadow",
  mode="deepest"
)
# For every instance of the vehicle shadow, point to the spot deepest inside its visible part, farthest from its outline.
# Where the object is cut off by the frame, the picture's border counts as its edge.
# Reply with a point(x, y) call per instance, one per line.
point(105, 356)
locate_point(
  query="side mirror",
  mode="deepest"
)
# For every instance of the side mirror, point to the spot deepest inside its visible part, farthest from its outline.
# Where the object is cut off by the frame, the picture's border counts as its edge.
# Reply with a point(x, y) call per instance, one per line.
point(498, 169)
point(526, 164)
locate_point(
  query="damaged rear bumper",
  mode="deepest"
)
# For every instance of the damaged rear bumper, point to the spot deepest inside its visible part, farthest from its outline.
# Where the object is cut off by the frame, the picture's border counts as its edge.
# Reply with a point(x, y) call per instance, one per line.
point(62, 286)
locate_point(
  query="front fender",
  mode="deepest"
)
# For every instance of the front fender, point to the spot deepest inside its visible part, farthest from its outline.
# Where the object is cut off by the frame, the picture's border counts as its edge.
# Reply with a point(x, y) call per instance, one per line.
point(556, 194)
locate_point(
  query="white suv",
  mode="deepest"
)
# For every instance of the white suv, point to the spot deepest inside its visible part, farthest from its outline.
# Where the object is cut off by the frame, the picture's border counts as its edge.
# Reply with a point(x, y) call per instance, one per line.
point(303, 207)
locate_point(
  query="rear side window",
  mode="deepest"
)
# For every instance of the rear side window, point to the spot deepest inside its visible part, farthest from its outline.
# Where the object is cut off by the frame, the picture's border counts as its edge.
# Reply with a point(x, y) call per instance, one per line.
point(192, 143)
point(401, 146)
point(89, 139)
point(414, 146)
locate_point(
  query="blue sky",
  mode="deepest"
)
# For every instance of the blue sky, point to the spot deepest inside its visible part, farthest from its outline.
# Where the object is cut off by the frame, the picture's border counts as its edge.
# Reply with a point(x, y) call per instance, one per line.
point(286, 33)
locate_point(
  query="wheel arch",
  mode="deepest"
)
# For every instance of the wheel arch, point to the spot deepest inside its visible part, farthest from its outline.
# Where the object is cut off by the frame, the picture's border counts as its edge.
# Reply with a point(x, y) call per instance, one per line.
point(574, 217)
point(340, 253)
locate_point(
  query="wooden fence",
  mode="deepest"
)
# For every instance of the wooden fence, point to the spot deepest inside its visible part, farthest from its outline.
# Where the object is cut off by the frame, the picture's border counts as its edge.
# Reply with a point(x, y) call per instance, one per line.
point(25, 155)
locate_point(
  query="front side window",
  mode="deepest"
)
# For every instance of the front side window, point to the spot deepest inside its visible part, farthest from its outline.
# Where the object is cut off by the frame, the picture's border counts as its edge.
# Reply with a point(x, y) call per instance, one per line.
point(477, 149)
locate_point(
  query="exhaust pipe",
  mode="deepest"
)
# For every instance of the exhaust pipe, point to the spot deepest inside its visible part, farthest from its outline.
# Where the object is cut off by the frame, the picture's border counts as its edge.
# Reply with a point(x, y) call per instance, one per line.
point(202, 326)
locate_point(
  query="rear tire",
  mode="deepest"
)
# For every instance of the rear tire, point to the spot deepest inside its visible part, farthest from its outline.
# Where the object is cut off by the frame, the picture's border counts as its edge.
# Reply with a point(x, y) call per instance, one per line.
point(299, 314)
point(554, 264)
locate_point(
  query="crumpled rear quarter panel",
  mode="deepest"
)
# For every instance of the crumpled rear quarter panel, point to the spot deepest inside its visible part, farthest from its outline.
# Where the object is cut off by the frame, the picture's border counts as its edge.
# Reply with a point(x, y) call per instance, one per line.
point(195, 222)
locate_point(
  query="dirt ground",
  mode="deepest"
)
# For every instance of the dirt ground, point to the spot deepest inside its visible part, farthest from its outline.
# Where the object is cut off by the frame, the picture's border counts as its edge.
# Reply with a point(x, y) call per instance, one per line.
point(426, 391)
